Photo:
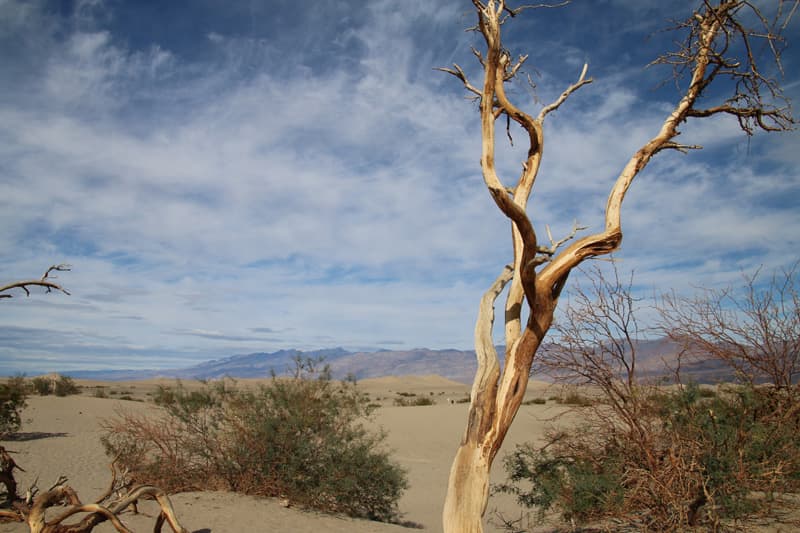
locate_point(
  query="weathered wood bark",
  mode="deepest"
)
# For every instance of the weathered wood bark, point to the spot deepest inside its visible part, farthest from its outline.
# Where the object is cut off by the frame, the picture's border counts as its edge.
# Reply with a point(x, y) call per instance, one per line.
point(538, 273)
point(97, 513)
point(104, 509)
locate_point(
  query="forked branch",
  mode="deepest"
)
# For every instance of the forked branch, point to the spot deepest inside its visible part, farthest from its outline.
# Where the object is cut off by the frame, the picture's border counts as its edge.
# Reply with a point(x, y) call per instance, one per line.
point(45, 281)
point(756, 100)
point(458, 72)
point(33, 510)
point(545, 253)
point(540, 272)
point(582, 80)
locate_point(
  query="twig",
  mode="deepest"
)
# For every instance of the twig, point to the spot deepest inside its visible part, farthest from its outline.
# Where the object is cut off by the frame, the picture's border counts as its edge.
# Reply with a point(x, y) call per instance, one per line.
point(45, 281)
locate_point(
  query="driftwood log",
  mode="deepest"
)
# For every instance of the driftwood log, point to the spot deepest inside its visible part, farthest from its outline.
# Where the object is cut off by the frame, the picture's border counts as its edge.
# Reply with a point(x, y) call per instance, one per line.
point(107, 508)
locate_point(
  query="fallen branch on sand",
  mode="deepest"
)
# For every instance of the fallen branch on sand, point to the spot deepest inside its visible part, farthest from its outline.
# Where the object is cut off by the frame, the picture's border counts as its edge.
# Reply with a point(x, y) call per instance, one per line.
point(33, 508)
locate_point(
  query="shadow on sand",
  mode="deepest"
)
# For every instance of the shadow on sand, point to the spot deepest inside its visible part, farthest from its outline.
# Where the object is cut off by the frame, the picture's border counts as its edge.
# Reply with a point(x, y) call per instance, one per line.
point(25, 436)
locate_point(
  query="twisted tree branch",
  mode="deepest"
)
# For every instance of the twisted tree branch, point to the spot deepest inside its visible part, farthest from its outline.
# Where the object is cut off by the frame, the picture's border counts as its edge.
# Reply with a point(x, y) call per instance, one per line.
point(45, 281)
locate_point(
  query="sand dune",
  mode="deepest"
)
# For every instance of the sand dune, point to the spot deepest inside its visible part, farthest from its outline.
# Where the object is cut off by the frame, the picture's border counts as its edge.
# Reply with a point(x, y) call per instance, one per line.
point(61, 436)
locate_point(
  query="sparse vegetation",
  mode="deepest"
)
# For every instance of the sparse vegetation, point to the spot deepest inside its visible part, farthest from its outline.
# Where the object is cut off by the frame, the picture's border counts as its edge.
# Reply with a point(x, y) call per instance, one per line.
point(166, 396)
point(129, 398)
point(65, 386)
point(576, 399)
point(535, 401)
point(299, 438)
point(663, 458)
point(58, 385)
point(700, 462)
point(41, 386)
point(413, 400)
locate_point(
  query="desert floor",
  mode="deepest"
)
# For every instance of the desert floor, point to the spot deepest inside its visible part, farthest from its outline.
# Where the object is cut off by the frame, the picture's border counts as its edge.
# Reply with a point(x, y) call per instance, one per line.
point(62, 436)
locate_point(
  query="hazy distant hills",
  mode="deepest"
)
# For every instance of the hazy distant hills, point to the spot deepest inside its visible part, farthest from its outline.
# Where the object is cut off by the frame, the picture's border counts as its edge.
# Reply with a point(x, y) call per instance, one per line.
point(452, 364)
point(654, 358)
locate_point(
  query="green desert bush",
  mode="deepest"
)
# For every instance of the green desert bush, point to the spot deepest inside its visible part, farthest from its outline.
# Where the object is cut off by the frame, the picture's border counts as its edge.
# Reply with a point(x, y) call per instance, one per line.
point(41, 386)
point(62, 386)
point(65, 386)
point(12, 400)
point(301, 438)
point(582, 488)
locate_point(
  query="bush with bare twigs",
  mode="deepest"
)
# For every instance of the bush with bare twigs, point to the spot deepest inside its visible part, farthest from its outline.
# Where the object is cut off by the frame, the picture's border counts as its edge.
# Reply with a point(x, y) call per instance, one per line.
point(668, 457)
point(299, 438)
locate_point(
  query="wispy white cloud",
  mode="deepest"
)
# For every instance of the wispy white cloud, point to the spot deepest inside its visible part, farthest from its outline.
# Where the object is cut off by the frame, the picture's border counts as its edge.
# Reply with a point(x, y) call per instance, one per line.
point(228, 192)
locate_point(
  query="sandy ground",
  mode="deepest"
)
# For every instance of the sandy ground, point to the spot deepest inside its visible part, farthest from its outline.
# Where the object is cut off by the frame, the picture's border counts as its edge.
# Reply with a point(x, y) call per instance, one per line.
point(61, 436)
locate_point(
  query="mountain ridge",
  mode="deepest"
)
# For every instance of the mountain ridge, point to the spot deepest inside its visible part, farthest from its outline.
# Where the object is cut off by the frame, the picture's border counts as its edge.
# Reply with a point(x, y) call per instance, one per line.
point(654, 358)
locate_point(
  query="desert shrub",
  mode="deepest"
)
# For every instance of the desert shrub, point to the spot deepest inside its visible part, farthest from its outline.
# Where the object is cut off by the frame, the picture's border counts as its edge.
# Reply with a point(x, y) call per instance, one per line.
point(12, 400)
point(745, 442)
point(535, 401)
point(670, 458)
point(41, 385)
point(100, 392)
point(413, 400)
point(705, 392)
point(301, 438)
point(129, 398)
point(575, 398)
point(700, 460)
point(65, 386)
point(581, 487)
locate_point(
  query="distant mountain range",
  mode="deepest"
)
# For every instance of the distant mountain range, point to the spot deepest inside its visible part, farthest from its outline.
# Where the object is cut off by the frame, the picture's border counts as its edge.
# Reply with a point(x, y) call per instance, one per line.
point(452, 364)
point(654, 358)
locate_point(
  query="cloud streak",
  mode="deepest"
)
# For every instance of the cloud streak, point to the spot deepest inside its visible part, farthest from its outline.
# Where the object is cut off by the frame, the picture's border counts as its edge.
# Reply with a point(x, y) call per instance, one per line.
point(206, 182)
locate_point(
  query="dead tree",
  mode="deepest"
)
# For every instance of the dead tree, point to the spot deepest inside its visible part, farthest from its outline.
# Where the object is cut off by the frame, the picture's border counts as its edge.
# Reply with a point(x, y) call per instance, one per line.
point(757, 333)
point(107, 508)
point(708, 55)
point(596, 342)
point(46, 281)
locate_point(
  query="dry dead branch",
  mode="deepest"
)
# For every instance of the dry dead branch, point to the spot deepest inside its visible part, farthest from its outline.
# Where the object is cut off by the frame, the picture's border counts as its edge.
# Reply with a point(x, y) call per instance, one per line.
point(709, 55)
point(107, 508)
point(45, 281)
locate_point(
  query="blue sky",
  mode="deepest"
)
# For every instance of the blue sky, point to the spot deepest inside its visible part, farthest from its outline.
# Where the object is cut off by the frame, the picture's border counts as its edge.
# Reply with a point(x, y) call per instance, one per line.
point(229, 177)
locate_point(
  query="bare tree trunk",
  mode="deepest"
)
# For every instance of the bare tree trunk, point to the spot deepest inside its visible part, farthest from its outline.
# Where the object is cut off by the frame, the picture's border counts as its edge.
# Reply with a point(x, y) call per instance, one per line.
point(494, 403)
point(467, 490)
point(756, 101)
